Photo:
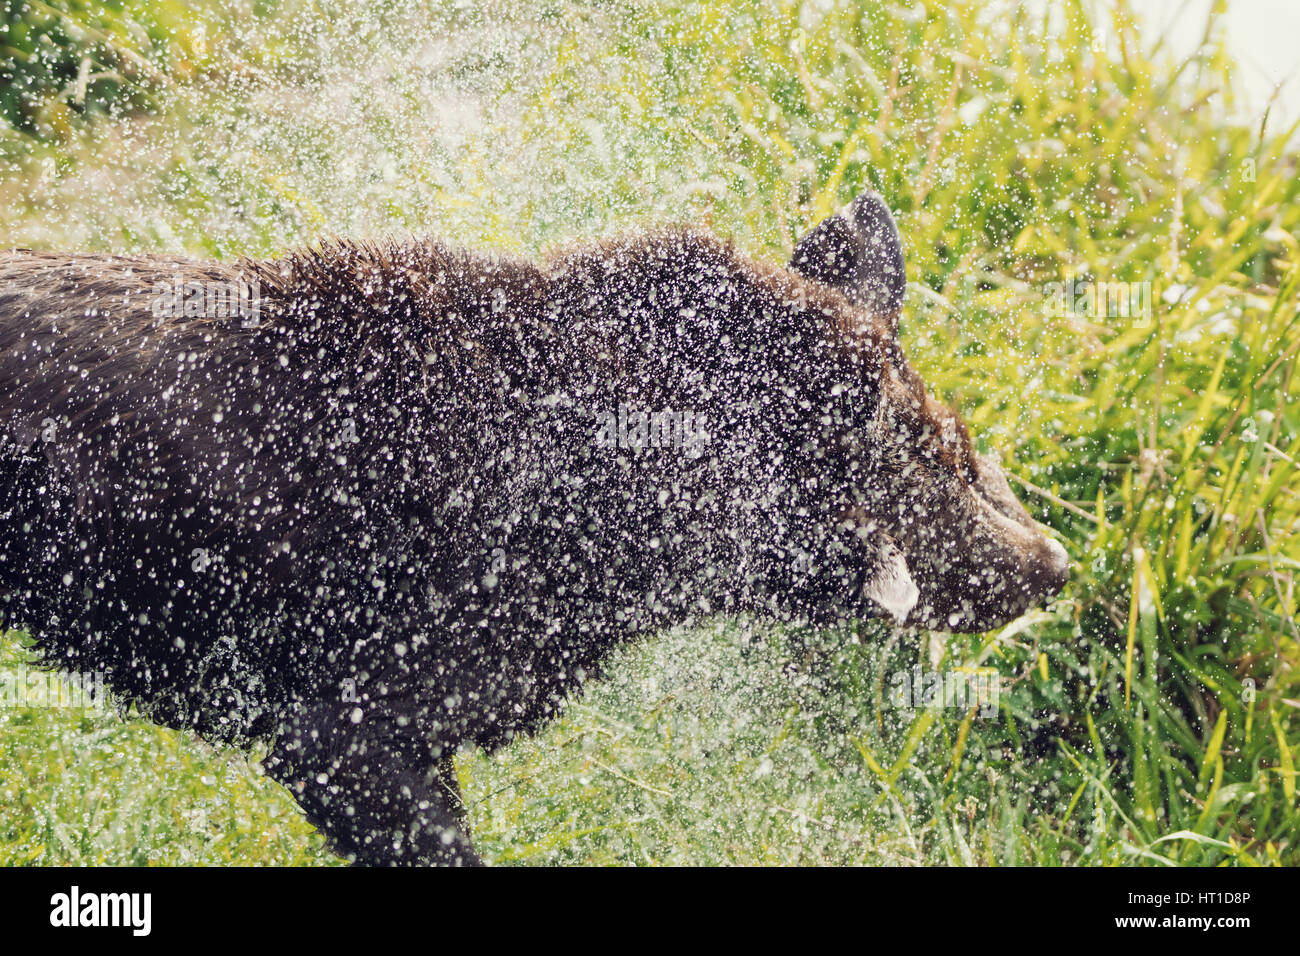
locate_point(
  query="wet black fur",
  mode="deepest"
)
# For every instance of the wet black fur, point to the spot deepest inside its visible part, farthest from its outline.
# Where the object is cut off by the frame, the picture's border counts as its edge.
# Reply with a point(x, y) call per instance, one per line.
point(412, 537)
point(382, 522)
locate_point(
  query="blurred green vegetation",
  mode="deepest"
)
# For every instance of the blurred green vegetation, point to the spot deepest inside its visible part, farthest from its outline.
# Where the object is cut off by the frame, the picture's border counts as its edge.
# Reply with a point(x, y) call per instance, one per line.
point(78, 59)
point(1150, 716)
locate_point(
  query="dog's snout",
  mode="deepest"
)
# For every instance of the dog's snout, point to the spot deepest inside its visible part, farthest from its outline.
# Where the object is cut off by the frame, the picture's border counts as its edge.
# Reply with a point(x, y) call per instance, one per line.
point(1056, 569)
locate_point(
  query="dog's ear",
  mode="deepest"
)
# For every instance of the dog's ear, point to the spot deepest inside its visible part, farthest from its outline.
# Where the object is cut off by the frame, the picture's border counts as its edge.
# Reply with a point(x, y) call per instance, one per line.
point(859, 252)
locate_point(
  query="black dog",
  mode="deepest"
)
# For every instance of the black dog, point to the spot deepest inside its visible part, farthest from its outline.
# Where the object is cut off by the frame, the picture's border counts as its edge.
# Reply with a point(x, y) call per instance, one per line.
point(371, 501)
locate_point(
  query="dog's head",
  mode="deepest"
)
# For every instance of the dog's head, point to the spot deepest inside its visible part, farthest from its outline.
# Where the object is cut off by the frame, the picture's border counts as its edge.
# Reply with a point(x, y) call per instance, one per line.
point(943, 540)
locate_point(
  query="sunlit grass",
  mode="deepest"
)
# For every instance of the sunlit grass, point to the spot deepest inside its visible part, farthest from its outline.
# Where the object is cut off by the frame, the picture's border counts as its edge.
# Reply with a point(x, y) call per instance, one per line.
point(1162, 449)
point(80, 785)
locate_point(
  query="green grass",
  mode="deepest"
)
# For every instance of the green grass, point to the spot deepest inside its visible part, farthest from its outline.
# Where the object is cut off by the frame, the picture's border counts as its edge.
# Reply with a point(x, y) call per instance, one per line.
point(1163, 451)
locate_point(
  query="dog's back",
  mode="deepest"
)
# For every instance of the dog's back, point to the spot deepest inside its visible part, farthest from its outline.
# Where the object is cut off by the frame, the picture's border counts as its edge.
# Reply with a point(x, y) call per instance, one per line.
point(219, 509)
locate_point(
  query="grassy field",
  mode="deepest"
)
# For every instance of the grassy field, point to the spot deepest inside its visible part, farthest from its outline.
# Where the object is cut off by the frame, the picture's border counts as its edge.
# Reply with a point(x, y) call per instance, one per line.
point(1149, 717)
